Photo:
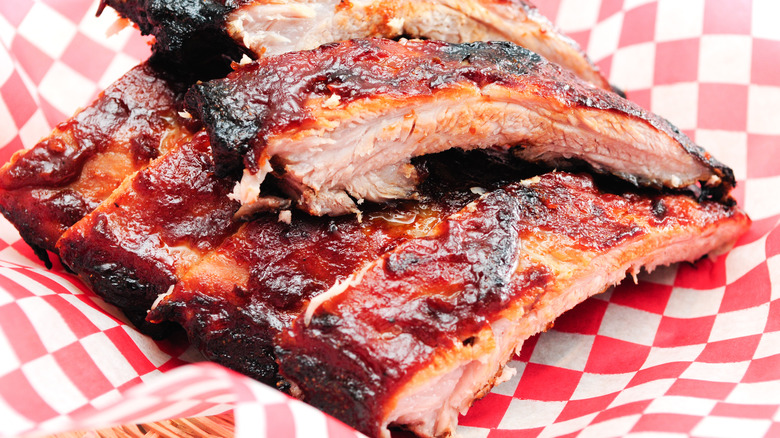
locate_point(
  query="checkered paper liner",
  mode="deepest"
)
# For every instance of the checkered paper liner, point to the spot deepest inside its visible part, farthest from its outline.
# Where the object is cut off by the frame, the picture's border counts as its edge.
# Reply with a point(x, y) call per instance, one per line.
point(690, 350)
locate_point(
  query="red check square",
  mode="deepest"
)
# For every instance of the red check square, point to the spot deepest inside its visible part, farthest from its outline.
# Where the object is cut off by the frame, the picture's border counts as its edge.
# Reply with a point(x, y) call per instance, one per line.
point(677, 332)
point(622, 411)
point(727, 17)
point(763, 370)
point(528, 348)
point(730, 350)
point(697, 388)
point(613, 356)
point(87, 57)
point(773, 322)
point(487, 412)
point(580, 408)
point(647, 296)
point(722, 106)
point(666, 422)
point(763, 154)
point(23, 105)
point(706, 274)
point(744, 411)
point(33, 60)
point(547, 383)
point(677, 61)
point(665, 371)
point(636, 27)
point(525, 433)
point(751, 290)
point(609, 8)
point(764, 62)
point(73, 10)
point(14, 12)
point(585, 319)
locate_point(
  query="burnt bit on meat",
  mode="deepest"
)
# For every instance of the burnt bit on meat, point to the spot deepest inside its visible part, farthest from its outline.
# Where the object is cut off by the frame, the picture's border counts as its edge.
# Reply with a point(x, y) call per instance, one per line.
point(189, 35)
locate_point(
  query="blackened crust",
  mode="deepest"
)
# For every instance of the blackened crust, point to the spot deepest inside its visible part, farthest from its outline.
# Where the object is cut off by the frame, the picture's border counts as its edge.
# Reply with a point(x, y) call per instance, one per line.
point(189, 34)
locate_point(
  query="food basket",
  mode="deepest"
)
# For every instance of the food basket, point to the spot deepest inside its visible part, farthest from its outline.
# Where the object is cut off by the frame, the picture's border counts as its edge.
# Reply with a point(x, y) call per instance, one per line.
point(692, 349)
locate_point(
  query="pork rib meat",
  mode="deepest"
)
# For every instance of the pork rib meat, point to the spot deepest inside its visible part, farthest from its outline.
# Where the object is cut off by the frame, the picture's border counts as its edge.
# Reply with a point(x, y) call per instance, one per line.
point(339, 124)
point(189, 30)
point(160, 221)
point(414, 337)
point(236, 300)
point(49, 187)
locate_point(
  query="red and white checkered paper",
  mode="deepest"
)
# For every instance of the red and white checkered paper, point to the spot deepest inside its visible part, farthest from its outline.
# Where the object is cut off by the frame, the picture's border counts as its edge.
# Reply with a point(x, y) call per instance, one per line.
point(692, 350)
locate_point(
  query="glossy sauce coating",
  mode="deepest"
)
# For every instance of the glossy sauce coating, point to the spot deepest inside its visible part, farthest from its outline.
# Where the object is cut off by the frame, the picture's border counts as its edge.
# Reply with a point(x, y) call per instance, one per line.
point(152, 229)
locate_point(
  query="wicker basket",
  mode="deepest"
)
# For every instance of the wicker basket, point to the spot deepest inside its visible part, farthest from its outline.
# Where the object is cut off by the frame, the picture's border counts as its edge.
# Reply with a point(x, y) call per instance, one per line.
point(216, 426)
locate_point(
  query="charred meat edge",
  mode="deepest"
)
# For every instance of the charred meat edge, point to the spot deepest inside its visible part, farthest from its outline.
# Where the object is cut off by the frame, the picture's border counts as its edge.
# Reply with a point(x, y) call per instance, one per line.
point(413, 338)
point(339, 124)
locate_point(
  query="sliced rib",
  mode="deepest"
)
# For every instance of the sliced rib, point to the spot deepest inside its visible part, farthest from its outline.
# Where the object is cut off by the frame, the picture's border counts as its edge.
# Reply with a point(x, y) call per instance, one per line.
point(188, 31)
point(46, 189)
point(236, 300)
point(152, 228)
point(339, 124)
point(412, 339)
point(274, 27)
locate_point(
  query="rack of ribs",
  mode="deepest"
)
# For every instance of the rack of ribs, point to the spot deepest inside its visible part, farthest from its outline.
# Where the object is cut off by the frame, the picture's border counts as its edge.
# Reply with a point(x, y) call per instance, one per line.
point(412, 338)
point(465, 241)
point(339, 124)
point(240, 295)
point(191, 32)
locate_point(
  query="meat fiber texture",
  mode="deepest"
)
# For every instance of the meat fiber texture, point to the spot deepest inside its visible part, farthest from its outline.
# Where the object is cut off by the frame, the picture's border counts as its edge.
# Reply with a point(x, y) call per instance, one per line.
point(692, 349)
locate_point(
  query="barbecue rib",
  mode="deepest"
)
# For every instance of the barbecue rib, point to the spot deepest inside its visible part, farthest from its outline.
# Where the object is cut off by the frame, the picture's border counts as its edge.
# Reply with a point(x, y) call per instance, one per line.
point(241, 295)
point(340, 123)
point(152, 228)
point(187, 29)
point(414, 337)
point(46, 189)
